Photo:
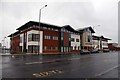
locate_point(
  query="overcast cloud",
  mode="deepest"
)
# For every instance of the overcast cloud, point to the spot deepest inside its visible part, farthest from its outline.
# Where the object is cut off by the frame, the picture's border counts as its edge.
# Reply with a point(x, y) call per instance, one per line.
point(77, 13)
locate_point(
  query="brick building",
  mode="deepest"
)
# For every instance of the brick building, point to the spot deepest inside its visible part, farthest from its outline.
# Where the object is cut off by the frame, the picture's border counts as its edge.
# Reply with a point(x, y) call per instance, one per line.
point(113, 47)
point(46, 39)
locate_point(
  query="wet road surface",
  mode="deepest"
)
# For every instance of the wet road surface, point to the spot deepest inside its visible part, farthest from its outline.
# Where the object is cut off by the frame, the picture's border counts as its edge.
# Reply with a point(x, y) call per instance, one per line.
point(100, 65)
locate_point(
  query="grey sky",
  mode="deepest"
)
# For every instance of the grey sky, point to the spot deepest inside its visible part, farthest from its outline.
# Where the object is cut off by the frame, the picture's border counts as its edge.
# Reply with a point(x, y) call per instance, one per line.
point(77, 13)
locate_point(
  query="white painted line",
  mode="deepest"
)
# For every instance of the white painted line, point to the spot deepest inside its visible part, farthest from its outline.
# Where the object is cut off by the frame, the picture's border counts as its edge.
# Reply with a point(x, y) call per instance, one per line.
point(34, 62)
point(74, 59)
point(51, 61)
point(102, 73)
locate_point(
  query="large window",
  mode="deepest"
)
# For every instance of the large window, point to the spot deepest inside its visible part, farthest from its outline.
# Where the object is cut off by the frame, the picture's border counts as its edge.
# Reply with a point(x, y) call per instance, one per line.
point(33, 49)
point(33, 37)
point(30, 37)
point(30, 49)
point(36, 37)
point(88, 37)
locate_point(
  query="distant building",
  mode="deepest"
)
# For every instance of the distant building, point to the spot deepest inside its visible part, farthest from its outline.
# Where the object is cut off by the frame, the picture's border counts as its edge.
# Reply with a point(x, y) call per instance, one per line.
point(100, 43)
point(113, 47)
point(86, 38)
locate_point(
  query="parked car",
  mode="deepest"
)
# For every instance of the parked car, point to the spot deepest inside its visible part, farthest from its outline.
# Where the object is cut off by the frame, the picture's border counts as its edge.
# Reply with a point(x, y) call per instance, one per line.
point(95, 51)
point(84, 52)
point(106, 50)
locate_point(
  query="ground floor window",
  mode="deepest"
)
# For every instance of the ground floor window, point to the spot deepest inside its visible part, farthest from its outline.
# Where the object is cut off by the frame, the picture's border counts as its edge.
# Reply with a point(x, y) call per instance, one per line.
point(33, 49)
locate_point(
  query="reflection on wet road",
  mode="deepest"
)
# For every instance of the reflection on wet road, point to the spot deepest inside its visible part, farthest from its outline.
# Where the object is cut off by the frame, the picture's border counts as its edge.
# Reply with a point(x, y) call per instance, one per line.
point(61, 66)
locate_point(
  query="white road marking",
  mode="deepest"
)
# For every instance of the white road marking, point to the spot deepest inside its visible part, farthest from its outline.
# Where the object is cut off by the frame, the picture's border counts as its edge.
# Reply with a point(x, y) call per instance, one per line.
point(40, 62)
point(102, 73)
point(34, 62)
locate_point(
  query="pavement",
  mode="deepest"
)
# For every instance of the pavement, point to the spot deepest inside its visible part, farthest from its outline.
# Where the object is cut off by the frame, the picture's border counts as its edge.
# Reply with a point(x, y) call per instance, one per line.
point(100, 65)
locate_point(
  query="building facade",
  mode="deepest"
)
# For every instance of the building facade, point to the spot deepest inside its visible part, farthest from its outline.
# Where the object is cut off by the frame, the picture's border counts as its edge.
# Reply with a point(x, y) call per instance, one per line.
point(86, 38)
point(46, 39)
point(100, 43)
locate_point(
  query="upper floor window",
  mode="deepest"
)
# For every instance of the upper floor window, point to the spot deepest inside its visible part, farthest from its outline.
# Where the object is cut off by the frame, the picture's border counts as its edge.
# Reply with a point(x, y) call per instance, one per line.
point(30, 37)
point(72, 39)
point(77, 40)
point(56, 29)
point(44, 27)
point(33, 37)
point(88, 37)
point(20, 39)
point(46, 37)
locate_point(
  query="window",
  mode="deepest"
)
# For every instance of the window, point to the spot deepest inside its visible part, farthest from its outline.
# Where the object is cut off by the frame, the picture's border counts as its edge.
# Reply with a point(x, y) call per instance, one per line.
point(45, 47)
point(30, 37)
point(49, 28)
point(78, 48)
point(56, 29)
point(20, 48)
point(88, 37)
point(33, 49)
point(61, 38)
point(46, 37)
point(20, 39)
point(71, 47)
point(77, 40)
point(69, 39)
point(30, 49)
point(61, 49)
point(44, 27)
point(51, 48)
point(75, 48)
point(72, 39)
point(55, 38)
point(33, 37)
point(56, 48)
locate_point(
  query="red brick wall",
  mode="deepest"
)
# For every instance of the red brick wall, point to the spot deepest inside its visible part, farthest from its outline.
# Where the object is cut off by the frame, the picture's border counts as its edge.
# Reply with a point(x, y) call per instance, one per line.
point(15, 44)
point(50, 43)
point(66, 39)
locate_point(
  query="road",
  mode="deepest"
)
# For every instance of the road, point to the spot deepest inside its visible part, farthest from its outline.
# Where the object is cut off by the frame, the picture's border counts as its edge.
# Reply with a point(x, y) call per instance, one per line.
point(100, 65)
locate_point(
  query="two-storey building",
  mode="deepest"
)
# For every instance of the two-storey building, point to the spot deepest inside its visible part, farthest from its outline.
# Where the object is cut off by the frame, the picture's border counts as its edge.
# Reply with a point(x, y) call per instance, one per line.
point(44, 39)
point(86, 38)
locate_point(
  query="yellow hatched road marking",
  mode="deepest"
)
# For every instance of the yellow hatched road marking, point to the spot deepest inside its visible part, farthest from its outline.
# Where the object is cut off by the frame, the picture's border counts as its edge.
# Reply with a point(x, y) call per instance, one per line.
point(48, 73)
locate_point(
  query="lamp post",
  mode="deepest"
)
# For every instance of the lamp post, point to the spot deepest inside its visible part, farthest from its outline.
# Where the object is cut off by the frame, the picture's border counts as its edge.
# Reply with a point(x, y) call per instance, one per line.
point(2, 46)
point(92, 37)
point(39, 27)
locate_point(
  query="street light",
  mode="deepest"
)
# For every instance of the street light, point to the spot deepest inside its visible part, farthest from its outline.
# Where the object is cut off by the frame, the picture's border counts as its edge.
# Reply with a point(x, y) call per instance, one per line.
point(39, 27)
point(92, 37)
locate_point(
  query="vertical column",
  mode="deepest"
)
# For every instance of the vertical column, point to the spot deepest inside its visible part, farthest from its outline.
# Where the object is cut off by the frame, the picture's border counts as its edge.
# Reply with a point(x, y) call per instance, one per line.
point(119, 37)
point(41, 42)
